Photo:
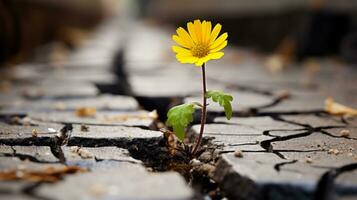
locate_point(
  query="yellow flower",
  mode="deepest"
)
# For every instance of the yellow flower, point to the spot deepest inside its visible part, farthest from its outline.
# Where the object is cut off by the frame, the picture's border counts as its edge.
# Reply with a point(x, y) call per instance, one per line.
point(200, 44)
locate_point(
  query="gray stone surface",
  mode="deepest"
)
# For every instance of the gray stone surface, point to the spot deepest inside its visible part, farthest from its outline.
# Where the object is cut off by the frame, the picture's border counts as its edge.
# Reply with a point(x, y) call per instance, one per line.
point(53, 89)
point(243, 133)
point(101, 102)
point(113, 132)
point(34, 153)
point(115, 184)
point(127, 118)
point(21, 131)
point(76, 154)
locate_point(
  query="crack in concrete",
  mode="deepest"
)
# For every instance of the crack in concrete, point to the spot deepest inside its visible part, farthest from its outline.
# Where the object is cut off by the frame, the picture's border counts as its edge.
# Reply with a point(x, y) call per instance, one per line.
point(326, 188)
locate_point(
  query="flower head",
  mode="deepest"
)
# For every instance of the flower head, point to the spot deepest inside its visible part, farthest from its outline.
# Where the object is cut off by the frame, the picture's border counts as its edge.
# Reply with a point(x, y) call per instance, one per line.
point(200, 44)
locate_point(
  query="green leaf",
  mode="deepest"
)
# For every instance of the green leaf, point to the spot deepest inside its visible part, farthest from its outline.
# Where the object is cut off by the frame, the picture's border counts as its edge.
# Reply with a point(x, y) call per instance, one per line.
point(224, 100)
point(179, 117)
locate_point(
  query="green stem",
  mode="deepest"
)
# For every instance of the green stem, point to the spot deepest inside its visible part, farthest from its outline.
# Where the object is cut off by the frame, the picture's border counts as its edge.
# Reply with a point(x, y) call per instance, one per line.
point(204, 112)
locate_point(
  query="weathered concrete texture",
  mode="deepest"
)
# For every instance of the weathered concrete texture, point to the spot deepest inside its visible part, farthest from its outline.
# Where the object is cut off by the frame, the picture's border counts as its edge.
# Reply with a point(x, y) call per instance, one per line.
point(297, 152)
point(79, 154)
point(27, 131)
point(243, 133)
point(39, 154)
point(167, 80)
point(256, 178)
point(303, 101)
point(113, 132)
point(266, 176)
point(53, 89)
point(126, 118)
point(101, 102)
point(126, 181)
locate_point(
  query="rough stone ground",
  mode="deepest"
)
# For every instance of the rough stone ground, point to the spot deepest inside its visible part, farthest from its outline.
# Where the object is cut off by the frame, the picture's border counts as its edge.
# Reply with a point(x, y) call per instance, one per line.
point(273, 148)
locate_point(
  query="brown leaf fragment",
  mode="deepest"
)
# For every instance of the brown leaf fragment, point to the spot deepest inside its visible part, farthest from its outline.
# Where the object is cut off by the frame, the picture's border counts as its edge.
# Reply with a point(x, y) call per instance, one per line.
point(335, 108)
point(142, 116)
point(171, 140)
point(86, 112)
point(50, 174)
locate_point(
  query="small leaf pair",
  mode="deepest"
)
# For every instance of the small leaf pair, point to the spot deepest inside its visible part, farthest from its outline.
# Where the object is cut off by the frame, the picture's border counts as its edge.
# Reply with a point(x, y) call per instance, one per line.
point(179, 117)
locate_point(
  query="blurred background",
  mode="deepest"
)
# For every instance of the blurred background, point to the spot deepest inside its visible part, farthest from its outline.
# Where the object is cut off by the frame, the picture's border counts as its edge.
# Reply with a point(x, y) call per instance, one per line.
point(290, 30)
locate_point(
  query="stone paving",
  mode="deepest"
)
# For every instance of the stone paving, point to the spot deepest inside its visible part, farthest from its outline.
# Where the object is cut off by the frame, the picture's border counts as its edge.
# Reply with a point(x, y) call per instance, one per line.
point(61, 137)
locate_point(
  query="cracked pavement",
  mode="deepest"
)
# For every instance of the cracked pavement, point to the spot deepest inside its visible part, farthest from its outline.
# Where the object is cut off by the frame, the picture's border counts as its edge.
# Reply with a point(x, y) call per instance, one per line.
point(291, 148)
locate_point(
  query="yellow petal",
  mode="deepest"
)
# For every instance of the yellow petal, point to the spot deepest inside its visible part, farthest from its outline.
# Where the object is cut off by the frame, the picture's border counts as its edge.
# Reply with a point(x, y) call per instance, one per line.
point(204, 31)
point(215, 32)
point(208, 32)
point(187, 59)
point(181, 50)
point(220, 47)
point(219, 41)
point(185, 37)
point(198, 29)
point(192, 31)
point(199, 62)
point(216, 55)
point(179, 41)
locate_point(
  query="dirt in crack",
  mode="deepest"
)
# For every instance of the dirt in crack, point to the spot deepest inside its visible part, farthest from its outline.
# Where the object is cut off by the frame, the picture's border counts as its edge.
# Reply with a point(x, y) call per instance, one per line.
point(197, 171)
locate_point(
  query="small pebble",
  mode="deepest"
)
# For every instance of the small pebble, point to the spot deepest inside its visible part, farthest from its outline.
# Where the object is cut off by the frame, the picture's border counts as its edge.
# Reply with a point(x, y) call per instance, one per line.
point(84, 128)
point(238, 153)
point(205, 157)
point(207, 168)
point(308, 160)
point(194, 162)
point(333, 151)
point(60, 106)
point(345, 133)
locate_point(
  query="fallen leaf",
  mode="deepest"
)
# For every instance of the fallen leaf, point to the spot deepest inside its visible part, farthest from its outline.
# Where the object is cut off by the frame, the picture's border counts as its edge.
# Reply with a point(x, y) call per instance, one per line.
point(335, 108)
point(171, 140)
point(86, 112)
point(50, 174)
point(150, 115)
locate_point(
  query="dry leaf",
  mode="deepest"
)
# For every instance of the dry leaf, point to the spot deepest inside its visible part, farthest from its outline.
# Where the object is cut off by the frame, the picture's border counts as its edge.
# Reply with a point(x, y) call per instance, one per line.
point(335, 108)
point(86, 112)
point(171, 140)
point(151, 115)
point(50, 174)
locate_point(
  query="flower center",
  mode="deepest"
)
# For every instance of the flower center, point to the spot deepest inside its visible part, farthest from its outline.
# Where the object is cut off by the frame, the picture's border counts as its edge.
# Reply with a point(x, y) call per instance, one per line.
point(200, 50)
